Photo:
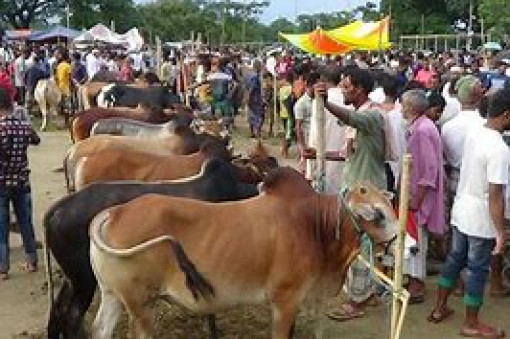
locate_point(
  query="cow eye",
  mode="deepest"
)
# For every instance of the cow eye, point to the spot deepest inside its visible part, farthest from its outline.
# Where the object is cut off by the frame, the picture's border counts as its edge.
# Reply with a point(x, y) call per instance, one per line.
point(363, 190)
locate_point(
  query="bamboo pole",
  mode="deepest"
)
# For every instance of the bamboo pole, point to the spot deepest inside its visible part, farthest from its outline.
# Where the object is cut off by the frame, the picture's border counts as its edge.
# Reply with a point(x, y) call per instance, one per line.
point(396, 310)
point(319, 114)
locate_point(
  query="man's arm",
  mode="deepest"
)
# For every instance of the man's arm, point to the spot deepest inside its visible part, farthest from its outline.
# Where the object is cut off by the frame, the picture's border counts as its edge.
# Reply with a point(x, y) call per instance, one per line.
point(497, 212)
point(341, 113)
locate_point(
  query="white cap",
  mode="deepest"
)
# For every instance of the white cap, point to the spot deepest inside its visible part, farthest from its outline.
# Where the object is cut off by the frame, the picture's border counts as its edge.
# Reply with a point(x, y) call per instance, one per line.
point(394, 63)
point(455, 69)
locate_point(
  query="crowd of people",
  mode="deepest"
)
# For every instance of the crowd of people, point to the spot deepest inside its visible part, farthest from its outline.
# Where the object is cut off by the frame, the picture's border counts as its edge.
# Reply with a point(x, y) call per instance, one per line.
point(450, 112)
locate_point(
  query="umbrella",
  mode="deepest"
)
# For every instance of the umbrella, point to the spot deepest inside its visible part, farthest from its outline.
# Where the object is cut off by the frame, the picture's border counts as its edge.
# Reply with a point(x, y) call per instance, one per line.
point(494, 46)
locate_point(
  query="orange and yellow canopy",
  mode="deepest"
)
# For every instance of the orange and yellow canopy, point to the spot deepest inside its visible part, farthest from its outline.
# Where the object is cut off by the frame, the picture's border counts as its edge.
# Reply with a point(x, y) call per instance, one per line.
point(356, 35)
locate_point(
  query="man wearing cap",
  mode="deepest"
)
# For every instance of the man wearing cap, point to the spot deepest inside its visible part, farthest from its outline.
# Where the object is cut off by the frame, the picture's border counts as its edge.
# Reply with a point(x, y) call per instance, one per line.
point(453, 134)
point(93, 63)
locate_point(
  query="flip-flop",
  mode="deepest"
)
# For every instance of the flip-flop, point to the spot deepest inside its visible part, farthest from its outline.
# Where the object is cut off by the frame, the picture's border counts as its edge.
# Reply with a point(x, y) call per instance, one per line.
point(484, 331)
point(437, 317)
point(28, 268)
point(345, 312)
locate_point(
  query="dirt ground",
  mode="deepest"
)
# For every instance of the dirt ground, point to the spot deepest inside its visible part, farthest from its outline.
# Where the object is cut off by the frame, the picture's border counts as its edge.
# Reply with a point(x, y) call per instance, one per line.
point(23, 298)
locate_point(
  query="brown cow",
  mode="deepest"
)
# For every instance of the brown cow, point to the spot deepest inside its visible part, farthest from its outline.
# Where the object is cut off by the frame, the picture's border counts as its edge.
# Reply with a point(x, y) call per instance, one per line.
point(285, 246)
point(183, 141)
point(112, 165)
point(84, 120)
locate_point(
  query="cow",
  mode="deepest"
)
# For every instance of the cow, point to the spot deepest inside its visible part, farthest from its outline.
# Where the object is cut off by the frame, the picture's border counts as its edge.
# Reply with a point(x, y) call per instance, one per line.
point(112, 165)
point(287, 245)
point(88, 92)
point(66, 225)
point(183, 141)
point(84, 121)
point(122, 95)
point(48, 97)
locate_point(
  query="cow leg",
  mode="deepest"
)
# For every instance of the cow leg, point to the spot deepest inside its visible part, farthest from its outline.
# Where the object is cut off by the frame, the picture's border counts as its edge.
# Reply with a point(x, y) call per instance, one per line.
point(107, 316)
point(44, 114)
point(58, 311)
point(213, 329)
point(141, 319)
point(284, 311)
point(77, 307)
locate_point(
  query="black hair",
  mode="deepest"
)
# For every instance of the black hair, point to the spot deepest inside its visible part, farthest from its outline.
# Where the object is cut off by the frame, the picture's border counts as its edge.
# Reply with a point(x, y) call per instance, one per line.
point(76, 56)
point(390, 85)
point(331, 73)
point(311, 78)
point(499, 103)
point(361, 78)
point(436, 100)
point(5, 100)
point(289, 77)
point(483, 106)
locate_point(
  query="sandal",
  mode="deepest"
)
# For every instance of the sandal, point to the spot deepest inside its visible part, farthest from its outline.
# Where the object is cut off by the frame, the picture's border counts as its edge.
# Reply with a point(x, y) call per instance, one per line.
point(29, 268)
point(436, 317)
point(482, 331)
point(346, 312)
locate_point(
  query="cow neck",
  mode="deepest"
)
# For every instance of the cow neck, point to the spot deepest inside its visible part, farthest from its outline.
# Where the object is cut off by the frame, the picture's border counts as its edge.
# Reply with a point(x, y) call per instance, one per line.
point(332, 218)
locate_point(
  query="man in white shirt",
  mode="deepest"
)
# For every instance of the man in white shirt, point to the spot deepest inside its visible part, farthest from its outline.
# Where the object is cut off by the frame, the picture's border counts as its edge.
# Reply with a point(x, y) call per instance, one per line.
point(93, 63)
point(334, 134)
point(303, 116)
point(20, 70)
point(478, 218)
point(454, 132)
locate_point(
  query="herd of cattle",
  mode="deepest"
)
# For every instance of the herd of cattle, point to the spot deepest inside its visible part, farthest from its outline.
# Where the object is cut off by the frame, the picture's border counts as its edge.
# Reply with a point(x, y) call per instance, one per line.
point(159, 208)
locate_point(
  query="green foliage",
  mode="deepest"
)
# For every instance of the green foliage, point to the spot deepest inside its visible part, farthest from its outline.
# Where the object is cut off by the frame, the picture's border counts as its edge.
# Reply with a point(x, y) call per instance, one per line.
point(87, 13)
point(21, 13)
point(496, 14)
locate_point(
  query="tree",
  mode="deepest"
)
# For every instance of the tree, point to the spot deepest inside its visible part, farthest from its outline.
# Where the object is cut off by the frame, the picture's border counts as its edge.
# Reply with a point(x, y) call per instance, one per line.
point(21, 13)
point(496, 15)
point(86, 13)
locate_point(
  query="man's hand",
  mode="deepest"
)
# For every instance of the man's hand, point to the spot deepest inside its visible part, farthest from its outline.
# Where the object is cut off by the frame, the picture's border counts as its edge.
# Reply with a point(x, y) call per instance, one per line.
point(499, 248)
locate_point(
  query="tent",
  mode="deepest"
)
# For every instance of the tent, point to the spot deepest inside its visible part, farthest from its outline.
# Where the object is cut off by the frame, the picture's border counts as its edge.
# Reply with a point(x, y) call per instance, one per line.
point(55, 33)
point(19, 34)
point(356, 35)
point(131, 40)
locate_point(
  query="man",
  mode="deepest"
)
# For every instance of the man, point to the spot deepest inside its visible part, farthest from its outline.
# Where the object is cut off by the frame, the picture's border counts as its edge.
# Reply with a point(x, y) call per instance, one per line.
point(478, 218)
point(20, 70)
point(93, 63)
point(63, 80)
point(499, 78)
point(255, 102)
point(424, 145)
point(333, 132)
point(454, 132)
point(366, 163)
point(15, 136)
point(303, 116)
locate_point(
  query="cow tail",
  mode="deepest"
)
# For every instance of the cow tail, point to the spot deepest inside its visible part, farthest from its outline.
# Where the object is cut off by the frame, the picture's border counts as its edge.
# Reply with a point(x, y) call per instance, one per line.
point(197, 284)
point(47, 260)
point(66, 173)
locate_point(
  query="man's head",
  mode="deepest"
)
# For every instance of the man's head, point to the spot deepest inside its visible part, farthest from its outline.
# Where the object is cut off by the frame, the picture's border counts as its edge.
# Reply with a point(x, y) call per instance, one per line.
point(499, 108)
point(356, 85)
point(414, 104)
point(436, 106)
point(311, 79)
point(332, 74)
point(390, 86)
point(469, 90)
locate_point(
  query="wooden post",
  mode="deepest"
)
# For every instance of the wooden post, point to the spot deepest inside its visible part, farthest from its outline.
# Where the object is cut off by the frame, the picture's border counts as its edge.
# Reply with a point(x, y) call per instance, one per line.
point(159, 57)
point(399, 246)
point(320, 170)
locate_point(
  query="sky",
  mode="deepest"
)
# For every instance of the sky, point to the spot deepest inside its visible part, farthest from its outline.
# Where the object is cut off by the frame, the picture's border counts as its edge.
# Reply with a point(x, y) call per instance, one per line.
point(289, 8)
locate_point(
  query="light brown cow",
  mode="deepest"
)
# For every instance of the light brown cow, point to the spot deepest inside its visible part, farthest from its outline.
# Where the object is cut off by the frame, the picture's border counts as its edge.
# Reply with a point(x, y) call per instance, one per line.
point(285, 246)
point(111, 165)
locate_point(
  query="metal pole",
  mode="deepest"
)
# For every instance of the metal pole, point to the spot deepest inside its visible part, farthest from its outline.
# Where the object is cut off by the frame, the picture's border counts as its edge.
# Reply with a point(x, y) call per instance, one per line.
point(470, 27)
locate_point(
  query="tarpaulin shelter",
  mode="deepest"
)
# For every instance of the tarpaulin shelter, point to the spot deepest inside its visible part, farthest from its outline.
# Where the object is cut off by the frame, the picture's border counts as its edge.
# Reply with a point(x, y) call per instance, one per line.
point(356, 35)
point(131, 40)
point(55, 33)
point(19, 34)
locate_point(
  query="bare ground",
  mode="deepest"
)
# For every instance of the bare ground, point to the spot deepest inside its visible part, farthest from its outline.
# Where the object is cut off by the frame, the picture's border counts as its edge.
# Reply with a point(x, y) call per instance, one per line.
point(23, 298)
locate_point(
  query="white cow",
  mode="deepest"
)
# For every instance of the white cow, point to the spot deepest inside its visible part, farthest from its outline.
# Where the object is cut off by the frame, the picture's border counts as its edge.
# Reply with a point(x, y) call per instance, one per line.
point(48, 96)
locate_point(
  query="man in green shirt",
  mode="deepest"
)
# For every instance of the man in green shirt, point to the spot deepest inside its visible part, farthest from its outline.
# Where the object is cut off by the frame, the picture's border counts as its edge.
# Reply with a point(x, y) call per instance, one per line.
point(365, 162)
